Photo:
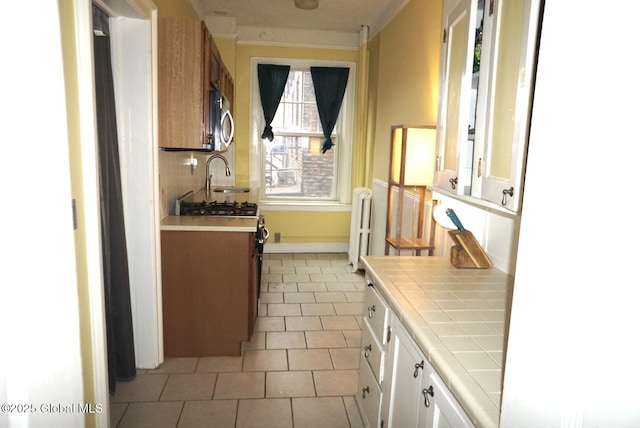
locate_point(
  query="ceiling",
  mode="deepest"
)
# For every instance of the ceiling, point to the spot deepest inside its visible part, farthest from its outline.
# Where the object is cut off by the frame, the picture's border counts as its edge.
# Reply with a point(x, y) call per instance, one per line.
point(342, 16)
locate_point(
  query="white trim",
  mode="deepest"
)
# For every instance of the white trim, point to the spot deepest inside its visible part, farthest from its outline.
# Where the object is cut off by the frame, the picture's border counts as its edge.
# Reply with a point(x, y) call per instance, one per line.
point(306, 248)
point(134, 83)
point(344, 153)
point(298, 37)
point(89, 143)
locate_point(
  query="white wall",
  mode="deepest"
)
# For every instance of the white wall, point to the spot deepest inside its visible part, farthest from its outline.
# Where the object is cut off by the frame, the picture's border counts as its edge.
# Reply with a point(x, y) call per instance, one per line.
point(573, 351)
point(40, 359)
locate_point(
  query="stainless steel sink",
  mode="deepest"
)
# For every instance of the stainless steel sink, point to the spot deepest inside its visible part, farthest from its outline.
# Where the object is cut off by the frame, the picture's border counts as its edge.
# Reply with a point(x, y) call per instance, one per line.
point(231, 189)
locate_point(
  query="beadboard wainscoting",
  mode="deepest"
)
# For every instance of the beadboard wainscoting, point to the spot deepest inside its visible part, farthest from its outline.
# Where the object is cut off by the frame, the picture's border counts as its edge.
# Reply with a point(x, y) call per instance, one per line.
point(379, 218)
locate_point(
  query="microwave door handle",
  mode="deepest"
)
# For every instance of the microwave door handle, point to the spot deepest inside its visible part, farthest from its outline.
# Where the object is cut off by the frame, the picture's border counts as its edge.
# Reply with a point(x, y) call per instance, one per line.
point(228, 141)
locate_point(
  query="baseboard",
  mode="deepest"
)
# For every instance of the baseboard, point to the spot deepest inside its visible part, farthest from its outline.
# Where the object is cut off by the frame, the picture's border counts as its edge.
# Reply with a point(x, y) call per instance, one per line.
point(307, 248)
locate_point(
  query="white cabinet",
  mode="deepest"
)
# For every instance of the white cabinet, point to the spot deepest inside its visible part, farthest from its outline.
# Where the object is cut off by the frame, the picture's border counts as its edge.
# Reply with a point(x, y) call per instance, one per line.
point(415, 396)
point(453, 141)
point(369, 395)
point(510, 67)
point(397, 387)
point(401, 404)
point(483, 118)
point(373, 352)
point(438, 408)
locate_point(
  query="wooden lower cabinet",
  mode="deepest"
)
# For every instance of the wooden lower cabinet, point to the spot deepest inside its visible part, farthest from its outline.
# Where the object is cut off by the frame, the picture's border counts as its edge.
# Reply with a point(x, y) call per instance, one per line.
point(209, 292)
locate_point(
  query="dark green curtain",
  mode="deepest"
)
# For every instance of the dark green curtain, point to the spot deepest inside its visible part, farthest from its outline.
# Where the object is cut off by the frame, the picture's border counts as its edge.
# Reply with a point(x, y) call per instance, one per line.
point(117, 296)
point(329, 84)
point(271, 79)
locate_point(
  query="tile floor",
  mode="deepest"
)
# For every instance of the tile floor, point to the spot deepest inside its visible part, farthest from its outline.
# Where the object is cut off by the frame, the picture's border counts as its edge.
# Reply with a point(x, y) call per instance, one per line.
point(300, 368)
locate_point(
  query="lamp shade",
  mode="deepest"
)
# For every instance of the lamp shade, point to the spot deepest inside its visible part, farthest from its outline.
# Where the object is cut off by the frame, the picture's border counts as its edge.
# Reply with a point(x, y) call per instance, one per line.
point(412, 155)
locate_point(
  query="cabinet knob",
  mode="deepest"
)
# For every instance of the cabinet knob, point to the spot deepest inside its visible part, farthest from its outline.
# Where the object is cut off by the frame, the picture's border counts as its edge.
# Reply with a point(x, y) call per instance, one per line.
point(418, 366)
point(426, 392)
point(371, 310)
point(364, 392)
point(506, 192)
point(367, 351)
point(453, 182)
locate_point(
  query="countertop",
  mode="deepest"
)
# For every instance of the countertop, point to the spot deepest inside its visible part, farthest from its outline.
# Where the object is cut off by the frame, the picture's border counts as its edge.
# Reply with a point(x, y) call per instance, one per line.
point(458, 318)
point(209, 223)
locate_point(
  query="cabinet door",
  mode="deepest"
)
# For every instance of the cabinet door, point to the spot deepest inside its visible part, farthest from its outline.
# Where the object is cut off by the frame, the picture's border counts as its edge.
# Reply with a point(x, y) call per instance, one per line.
point(205, 296)
point(402, 402)
point(438, 408)
point(181, 82)
point(511, 69)
point(455, 148)
point(368, 395)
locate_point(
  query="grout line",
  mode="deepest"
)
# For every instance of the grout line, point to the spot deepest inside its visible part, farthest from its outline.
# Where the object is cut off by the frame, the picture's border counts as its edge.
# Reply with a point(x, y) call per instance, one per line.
point(180, 414)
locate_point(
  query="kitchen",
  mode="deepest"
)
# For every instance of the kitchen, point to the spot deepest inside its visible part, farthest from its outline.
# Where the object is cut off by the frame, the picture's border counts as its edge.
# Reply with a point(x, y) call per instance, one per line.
point(548, 276)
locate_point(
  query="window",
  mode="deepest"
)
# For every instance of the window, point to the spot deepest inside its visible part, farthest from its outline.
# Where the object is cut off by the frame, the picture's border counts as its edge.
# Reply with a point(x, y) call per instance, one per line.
point(292, 168)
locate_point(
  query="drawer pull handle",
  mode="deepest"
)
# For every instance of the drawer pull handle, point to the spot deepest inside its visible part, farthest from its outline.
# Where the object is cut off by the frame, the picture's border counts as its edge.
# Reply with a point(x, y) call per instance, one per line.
point(371, 310)
point(426, 392)
point(367, 351)
point(418, 366)
point(364, 392)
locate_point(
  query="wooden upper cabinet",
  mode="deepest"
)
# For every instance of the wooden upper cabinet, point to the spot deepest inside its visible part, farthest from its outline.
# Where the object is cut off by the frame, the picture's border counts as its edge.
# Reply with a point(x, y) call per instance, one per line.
point(219, 75)
point(189, 66)
point(182, 83)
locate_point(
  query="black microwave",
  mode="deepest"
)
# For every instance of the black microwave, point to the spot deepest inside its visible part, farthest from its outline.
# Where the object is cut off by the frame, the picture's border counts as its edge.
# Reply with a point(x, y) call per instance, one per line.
point(221, 126)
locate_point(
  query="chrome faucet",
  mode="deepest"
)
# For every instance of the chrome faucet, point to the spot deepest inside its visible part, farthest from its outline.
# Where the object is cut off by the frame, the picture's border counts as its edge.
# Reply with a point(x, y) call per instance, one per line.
point(207, 181)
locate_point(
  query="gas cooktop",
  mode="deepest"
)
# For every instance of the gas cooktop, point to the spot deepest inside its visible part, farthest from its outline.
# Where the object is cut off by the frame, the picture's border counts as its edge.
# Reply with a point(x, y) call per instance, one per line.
point(186, 205)
point(243, 209)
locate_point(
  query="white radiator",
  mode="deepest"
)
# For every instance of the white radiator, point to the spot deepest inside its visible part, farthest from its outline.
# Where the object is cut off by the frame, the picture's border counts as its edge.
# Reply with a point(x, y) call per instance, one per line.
point(360, 226)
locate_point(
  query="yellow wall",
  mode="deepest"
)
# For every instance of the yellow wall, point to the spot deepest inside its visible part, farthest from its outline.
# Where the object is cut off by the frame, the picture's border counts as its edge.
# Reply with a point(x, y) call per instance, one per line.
point(407, 69)
point(308, 227)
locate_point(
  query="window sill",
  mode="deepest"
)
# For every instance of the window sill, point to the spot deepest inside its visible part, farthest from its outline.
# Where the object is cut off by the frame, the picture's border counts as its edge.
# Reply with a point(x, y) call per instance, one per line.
point(312, 206)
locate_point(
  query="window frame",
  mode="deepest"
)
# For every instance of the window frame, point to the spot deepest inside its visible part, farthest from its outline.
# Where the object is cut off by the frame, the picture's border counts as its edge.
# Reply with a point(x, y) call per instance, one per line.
point(343, 147)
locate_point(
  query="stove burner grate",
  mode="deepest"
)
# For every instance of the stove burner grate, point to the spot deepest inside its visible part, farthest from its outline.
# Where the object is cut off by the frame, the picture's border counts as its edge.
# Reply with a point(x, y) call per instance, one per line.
point(229, 209)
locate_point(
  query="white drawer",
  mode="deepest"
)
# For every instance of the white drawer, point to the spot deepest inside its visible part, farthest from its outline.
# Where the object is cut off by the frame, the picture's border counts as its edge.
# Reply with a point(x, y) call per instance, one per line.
point(368, 394)
point(376, 313)
point(372, 352)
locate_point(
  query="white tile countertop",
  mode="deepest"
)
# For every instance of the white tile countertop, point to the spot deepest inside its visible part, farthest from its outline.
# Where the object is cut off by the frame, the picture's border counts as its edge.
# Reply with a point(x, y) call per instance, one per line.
point(458, 318)
point(209, 223)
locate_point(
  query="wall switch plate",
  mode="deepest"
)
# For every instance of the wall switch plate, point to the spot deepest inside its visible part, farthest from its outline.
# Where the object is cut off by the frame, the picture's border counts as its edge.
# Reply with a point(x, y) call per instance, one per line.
point(277, 237)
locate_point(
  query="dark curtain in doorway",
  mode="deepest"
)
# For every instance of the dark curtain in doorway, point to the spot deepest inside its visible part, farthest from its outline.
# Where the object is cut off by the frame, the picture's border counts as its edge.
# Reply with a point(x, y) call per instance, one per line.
point(271, 80)
point(329, 84)
point(120, 347)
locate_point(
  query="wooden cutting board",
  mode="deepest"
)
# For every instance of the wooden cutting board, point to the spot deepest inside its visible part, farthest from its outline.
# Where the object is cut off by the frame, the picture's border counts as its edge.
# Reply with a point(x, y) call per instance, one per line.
point(471, 248)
